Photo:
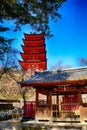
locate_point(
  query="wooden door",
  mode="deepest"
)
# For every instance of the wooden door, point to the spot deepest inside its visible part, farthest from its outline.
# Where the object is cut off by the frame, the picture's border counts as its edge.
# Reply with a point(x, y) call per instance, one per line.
point(65, 106)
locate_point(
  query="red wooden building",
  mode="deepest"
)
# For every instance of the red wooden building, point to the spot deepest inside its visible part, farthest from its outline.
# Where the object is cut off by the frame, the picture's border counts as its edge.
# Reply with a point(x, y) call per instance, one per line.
point(64, 94)
point(34, 53)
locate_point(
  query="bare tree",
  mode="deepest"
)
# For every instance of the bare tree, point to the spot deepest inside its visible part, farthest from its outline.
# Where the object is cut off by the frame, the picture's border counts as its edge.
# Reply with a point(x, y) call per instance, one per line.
point(8, 62)
point(82, 61)
point(11, 75)
point(19, 76)
point(10, 87)
point(60, 66)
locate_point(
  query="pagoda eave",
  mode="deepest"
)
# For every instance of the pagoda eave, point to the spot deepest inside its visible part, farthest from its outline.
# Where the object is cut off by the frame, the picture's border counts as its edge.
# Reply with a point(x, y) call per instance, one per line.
point(29, 53)
point(33, 62)
point(32, 47)
point(28, 57)
point(34, 37)
point(41, 65)
point(33, 43)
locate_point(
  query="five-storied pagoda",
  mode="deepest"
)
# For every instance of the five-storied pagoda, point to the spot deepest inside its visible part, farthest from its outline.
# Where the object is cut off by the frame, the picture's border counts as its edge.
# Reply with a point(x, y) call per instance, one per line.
point(34, 56)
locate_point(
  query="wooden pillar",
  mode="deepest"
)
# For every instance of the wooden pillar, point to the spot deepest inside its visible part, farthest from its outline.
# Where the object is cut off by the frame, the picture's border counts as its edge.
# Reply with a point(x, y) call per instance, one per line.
point(48, 98)
point(58, 105)
point(80, 97)
point(50, 103)
point(80, 103)
point(37, 97)
point(58, 99)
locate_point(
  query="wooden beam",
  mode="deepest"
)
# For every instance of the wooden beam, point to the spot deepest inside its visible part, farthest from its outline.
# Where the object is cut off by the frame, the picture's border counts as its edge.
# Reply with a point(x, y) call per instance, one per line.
point(64, 92)
point(53, 83)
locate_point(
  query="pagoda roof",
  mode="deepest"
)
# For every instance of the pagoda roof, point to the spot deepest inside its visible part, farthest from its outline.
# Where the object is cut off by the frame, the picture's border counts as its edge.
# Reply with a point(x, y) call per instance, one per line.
point(27, 56)
point(32, 61)
point(32, 47)
point(32, 54)
point(34, 37)
point(26, 65)
point(58, 77)
point(33, 43)
point(36, 50)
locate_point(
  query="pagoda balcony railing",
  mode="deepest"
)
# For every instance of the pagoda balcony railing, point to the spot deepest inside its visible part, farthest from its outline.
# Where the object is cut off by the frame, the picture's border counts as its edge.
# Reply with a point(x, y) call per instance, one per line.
point(35, 60)
point(34, 53)
point(34, 45)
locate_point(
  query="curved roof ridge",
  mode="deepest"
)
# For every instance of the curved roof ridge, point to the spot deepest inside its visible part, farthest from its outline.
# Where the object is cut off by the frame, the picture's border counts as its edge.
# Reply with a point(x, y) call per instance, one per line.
point(59, 70)
point(76, 68)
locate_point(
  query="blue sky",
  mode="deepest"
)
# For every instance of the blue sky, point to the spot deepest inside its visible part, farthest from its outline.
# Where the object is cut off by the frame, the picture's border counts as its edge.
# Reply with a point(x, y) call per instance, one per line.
point(70, 35)
point(70, 40)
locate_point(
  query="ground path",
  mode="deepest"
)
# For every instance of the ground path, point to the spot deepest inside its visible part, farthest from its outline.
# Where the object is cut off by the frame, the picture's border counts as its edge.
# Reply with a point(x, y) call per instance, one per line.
point(5, 125)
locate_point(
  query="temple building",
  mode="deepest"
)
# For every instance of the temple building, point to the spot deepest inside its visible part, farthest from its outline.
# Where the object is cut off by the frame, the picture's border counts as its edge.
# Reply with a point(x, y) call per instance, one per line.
point(34, 53)
point(64, 94)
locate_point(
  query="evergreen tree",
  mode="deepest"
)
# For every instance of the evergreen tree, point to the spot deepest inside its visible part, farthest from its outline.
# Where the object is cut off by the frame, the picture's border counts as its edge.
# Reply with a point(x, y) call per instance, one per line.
point(36, 13)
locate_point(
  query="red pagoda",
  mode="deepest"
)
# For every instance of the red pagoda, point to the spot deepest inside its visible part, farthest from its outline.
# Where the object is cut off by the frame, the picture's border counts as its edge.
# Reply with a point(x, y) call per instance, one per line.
point(34, 53)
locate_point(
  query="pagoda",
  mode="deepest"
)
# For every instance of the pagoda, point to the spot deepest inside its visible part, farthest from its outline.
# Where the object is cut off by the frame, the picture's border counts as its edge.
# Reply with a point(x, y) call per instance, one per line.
point(34, 53)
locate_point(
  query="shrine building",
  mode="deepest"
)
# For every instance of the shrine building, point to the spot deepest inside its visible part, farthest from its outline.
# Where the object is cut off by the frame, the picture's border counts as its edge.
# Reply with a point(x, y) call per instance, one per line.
point(64, 94)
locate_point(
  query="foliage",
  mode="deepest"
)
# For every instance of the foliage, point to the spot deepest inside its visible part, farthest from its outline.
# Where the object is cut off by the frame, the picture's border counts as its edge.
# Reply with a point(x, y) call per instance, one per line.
point(36, 13)
point(5, 115)
point(5, 43)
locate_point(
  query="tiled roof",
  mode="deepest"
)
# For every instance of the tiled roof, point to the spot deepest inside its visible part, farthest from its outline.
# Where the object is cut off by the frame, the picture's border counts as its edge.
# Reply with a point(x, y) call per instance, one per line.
point(74, 74)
